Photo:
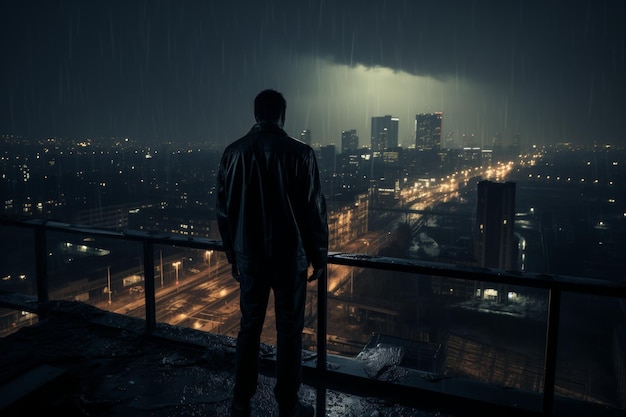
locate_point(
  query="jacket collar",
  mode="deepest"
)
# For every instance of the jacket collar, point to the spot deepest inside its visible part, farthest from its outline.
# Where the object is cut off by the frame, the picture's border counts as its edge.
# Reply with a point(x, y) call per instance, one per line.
point(267, 127)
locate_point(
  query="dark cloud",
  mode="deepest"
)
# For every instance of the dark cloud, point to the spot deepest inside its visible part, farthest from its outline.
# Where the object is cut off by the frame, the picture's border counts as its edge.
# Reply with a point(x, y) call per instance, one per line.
point(189, 69)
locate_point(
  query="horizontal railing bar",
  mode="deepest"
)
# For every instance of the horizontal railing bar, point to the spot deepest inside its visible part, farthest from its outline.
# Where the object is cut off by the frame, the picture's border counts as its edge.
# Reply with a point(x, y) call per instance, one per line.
point(526, 279)
point(419, 267)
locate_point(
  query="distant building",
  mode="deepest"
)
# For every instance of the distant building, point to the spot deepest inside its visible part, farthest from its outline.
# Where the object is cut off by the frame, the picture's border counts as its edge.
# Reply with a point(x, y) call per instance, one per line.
point(348, 163)
point(327, 159)
point(516, 146)
point(495, 218)
point(305, 136)
point(347, 220)
point(428, 131)
point(499, 152)
point(469, 140)
point(486, 156)
point(496, 142)
point(384, 133)
point(349, 141)
point(449, 141)
point(114, 217)
point(470, 157)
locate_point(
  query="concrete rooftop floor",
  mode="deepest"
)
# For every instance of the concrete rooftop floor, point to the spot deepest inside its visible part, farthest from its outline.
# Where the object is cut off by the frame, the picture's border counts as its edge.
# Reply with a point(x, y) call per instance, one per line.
point(82, 361)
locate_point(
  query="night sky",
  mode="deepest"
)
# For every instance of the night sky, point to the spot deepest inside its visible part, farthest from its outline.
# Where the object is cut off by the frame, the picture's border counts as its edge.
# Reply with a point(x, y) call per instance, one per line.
point(186, 71)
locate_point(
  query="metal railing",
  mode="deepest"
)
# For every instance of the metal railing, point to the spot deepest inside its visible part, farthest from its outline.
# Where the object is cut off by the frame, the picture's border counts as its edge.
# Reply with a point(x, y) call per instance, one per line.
point(555, 285)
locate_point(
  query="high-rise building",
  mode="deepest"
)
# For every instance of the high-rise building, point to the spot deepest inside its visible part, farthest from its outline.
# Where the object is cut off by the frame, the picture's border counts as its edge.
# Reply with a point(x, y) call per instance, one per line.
point(384, 133)
point(349, 141)
point(495, 221)
point(305, 136)
point(517, 143)
point(327, 159)
point(469, 140)
point(428, 131)
point(449, 141)
point(496, 143)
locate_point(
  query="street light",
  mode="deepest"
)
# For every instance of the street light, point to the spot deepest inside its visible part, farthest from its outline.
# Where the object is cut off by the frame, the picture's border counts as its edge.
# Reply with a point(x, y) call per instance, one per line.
point(176, 265)
point(208, 254)
point(109, 283)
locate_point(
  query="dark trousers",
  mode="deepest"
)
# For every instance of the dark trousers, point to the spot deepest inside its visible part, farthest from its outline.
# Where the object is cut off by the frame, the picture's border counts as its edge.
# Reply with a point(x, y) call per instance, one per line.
point(289, 300)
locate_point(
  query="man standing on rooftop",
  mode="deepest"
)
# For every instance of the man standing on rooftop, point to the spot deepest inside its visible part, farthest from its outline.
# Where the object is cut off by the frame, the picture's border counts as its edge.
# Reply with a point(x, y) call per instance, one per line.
point(272, 218)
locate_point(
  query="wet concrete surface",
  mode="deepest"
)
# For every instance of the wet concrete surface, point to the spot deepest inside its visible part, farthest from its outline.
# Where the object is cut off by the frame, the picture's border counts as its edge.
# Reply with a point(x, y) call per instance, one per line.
point(82, 361)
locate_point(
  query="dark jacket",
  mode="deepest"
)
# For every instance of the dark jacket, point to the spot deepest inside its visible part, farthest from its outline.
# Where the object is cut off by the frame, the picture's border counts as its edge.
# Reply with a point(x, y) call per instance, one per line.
point(271, 212)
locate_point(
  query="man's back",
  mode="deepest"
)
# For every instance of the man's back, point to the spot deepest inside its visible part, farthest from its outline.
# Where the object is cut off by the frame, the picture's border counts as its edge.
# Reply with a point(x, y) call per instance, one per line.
point(270, 209)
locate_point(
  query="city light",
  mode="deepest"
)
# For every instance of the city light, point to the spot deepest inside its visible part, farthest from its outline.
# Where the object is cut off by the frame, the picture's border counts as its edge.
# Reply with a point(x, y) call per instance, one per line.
point(176, 265)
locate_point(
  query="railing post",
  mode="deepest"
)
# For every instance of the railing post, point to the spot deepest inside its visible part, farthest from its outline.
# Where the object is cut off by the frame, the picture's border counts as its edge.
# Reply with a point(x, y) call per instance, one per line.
point(552, 338)
point(148, 272)
point(41, 270)
point(322, 325)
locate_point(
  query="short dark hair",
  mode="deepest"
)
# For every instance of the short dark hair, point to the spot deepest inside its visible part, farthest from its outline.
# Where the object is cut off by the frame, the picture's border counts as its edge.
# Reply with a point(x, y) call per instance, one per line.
point(269, 105)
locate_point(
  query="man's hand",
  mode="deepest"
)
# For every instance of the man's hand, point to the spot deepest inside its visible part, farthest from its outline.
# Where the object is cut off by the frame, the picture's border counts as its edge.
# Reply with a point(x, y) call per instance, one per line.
point(235, 272)
point(316, 274)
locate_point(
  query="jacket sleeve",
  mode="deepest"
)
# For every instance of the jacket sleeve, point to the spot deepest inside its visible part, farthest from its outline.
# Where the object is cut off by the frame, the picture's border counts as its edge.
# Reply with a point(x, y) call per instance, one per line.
point(316, 222)
point(221, 210)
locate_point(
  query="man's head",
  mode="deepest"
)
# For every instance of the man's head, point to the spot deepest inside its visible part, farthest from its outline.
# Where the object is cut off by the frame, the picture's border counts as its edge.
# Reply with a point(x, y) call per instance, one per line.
point(270, 106)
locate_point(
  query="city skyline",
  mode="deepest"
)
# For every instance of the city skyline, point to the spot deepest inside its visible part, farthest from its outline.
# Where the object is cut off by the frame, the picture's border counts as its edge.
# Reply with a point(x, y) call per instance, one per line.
point(186, 71)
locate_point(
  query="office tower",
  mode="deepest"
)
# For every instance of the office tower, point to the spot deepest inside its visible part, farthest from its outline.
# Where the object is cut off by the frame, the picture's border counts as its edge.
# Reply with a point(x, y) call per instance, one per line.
point(428, 131)
point(496, 151)
point(347, 164)
point(496, 143)
point(349, 141)
point(516, 146)
point(469, 140)
point(384, 133)
point(495, 218)
point(305, 136)
point(449, 141)
point(327, 159)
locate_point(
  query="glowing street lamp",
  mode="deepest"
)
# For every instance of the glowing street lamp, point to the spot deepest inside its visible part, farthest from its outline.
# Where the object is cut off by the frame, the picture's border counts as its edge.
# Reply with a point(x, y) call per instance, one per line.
point(208, 254)
point(176, 265)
